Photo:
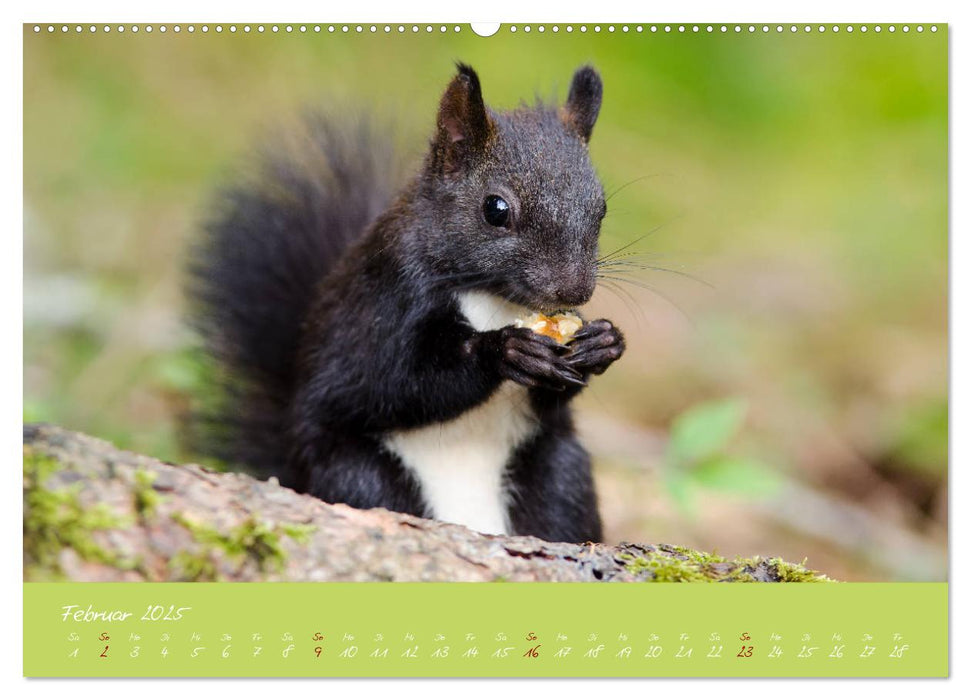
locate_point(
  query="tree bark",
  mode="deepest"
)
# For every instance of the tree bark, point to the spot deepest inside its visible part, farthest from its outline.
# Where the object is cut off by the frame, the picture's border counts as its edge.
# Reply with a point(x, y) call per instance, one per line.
point(95, 513)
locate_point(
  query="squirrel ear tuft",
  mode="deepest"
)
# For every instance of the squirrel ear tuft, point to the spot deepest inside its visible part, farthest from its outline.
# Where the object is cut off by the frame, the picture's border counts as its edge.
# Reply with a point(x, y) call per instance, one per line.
point(583, 103)
point(464, 126)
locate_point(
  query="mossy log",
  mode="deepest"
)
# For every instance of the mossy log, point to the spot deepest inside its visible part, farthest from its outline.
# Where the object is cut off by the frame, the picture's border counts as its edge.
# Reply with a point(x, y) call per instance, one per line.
point(95, 513)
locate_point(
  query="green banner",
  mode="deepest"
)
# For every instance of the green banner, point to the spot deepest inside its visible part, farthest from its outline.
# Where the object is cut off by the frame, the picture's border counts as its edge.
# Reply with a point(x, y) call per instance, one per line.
point(504, 629)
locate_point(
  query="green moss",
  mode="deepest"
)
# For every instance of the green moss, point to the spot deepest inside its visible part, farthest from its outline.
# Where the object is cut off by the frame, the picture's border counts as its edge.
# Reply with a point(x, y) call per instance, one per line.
point(741, 571)
point(679, 564)
point(195, 567)
point(796, 573)
point(699, 558)
point(665, 568)
point(55, 520)
point(298, 532)
point(37, 467)
point(252, 540)
point(147, 498)
point(738, 570)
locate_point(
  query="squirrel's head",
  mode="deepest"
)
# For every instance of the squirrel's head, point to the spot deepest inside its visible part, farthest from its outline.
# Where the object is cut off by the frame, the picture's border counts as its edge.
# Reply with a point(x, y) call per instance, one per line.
point(515, 202)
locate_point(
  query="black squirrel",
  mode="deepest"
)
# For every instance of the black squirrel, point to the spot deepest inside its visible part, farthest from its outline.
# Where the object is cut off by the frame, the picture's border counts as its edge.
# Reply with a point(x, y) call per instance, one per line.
point(368, 349)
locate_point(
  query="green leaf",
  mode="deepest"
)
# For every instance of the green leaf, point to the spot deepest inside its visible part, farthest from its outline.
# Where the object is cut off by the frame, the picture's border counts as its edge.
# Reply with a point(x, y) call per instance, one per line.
point(179, 371)
point(703, 430)
point(738, 475)
point(921, 444)
point(679, 487)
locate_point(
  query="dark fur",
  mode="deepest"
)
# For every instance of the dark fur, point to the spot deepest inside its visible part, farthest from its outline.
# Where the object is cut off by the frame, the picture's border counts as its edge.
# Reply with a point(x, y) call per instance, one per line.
point(334, 333)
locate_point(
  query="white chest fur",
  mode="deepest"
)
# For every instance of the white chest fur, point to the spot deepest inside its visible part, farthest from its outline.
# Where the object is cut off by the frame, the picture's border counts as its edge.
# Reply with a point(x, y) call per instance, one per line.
point(460, 464)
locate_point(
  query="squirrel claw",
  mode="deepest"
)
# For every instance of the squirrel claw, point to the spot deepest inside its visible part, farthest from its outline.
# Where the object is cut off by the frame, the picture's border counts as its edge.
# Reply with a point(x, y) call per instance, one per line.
point(572, 378)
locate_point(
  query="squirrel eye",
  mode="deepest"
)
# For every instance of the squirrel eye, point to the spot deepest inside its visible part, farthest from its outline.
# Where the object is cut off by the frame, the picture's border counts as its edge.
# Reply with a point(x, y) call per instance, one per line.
point(495, 209)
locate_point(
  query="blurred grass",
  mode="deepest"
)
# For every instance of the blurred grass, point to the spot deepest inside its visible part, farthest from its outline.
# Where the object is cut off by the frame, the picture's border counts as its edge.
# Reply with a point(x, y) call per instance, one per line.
point(802, 176)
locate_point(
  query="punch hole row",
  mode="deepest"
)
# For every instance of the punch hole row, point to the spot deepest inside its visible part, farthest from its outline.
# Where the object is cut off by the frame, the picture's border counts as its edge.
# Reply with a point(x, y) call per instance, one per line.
point(716, 28)
point(428, 28)
point(247, 28)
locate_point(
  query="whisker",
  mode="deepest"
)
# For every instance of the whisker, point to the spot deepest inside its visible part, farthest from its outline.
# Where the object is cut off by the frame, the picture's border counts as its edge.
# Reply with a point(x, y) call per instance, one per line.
point(610, 256)
point(627, 299)
point(649, 288)
point(622, 266)
point(634, 255)
point(632, 182)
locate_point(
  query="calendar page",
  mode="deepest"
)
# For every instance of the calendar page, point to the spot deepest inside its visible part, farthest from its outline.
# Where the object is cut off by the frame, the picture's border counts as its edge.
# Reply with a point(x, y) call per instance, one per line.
point(509, 350)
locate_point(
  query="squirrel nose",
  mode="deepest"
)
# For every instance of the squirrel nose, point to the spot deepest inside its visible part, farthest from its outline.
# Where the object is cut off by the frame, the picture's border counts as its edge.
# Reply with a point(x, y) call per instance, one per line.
point(576, 289)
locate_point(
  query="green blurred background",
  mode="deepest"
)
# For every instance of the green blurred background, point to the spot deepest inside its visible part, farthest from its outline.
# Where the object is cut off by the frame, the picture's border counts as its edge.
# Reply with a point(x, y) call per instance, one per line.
point(792, 402)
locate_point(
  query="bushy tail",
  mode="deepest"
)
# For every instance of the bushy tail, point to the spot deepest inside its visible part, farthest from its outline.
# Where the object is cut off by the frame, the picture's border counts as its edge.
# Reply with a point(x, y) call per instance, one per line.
point(253, 274)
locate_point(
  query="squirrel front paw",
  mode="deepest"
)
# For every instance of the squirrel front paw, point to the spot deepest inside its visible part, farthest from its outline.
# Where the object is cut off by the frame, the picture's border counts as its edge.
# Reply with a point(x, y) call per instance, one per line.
point(595, 347)
point(535, 360)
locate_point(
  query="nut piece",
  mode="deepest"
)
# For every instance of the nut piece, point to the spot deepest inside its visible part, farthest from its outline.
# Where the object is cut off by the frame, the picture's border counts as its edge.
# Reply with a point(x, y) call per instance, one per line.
point(560, 327)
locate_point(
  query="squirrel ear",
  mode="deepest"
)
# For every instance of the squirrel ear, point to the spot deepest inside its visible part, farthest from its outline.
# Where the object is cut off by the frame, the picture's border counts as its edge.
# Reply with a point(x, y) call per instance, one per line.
point(463, 123)
point(583, 104)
